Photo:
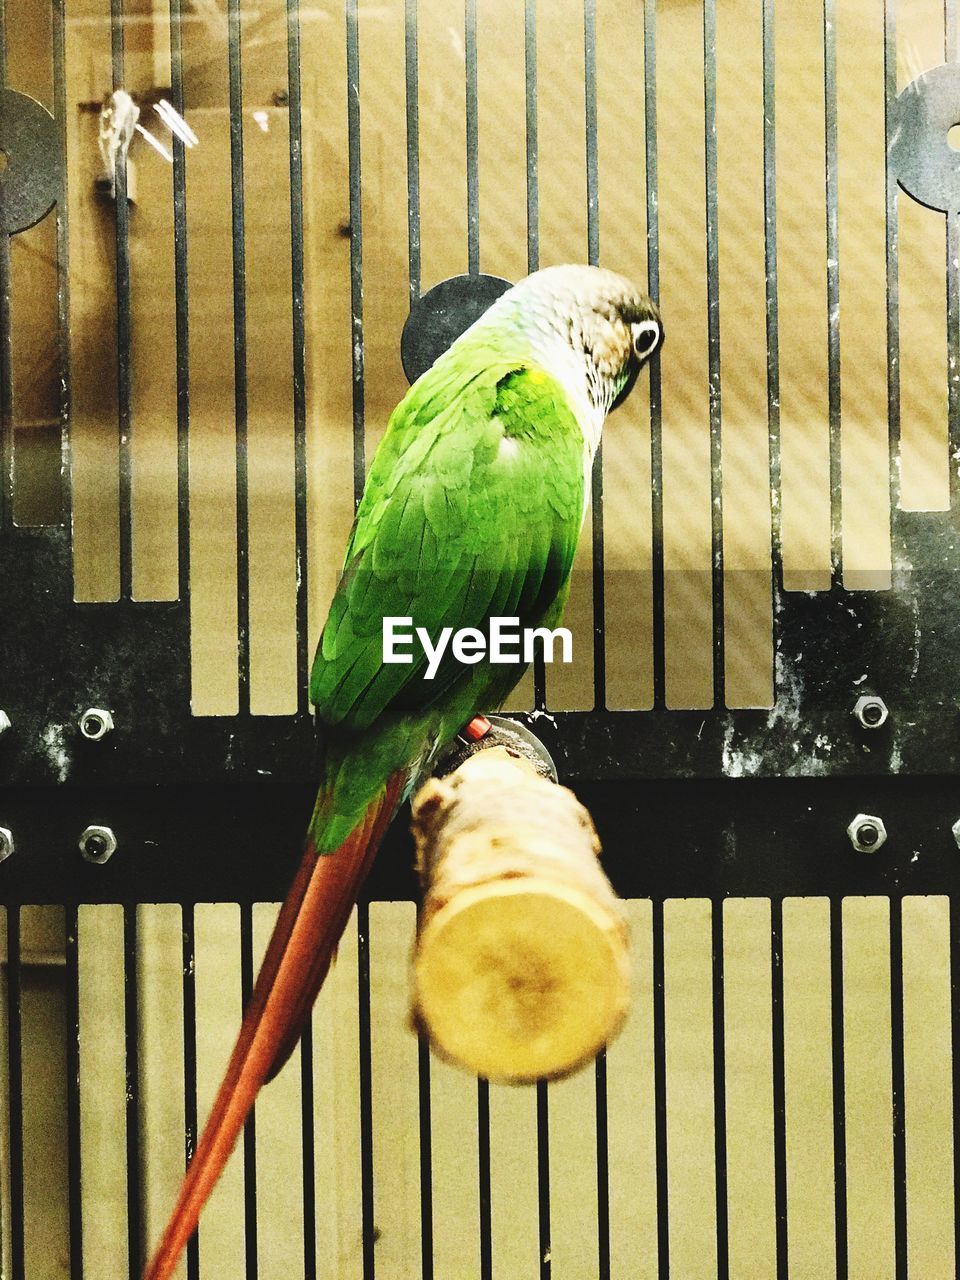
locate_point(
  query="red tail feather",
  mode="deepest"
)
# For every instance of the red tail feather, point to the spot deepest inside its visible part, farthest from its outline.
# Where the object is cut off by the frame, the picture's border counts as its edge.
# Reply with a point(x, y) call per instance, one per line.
point(304, 939)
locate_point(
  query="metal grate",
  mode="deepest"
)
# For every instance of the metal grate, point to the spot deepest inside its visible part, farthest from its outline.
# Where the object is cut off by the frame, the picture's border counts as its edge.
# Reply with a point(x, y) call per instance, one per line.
point(191, 387)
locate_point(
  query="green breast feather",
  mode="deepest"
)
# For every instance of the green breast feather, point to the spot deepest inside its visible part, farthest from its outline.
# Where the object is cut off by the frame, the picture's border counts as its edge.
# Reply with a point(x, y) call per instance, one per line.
point(472, 509)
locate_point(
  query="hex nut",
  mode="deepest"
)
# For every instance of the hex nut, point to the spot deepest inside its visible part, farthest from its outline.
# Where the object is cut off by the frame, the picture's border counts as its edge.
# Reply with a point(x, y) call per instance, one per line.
point(95, 723)
point(6, 843)
point(867, 833)
point(871, 711)
point(98, 844)
point(956, 832)
point(4, 722)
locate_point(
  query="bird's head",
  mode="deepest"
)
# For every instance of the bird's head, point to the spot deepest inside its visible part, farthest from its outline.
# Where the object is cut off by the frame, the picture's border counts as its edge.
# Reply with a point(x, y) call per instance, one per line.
point(589, 324)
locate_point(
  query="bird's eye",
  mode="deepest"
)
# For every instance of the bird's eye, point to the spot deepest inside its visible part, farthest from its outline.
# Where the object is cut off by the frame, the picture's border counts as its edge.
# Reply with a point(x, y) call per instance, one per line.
point(646, 338)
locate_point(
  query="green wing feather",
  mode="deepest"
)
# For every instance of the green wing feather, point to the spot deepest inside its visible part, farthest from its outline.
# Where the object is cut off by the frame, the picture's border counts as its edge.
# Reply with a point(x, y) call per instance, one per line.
point(454, 527)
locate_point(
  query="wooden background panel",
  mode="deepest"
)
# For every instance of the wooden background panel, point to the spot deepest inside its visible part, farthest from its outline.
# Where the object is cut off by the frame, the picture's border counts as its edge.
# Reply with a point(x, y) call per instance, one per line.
point(802, 298)
point(269, 321)
point(94, 469)
point(687, 550)
point(928, 1093)
point(808, 1087)
point(627, 493)
point(326, 213)
point(861, 171)
point(747, 580)
point(922, 286)
point(561, 124)
point(868, 1087)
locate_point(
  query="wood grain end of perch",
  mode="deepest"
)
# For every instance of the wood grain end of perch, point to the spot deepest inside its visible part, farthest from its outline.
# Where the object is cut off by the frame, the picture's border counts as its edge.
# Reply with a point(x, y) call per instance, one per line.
point(521, 965)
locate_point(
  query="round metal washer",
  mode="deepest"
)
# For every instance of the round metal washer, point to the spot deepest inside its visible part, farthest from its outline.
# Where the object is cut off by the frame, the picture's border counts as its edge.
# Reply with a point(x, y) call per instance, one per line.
point(925, 164)
point(30, 182)
point(444, 312)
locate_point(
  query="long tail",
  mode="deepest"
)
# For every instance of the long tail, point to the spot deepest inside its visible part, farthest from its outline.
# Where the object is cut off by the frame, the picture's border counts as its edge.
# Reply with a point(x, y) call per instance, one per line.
point(304, 939)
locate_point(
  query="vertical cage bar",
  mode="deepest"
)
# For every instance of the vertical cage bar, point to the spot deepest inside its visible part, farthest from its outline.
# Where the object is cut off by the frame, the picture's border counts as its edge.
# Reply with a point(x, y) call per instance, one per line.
point(473, 164)
point(533, 228)
point(660, 1091)
point(593, 257)
point(656, 416)
point(833, 279)
point(953, 291)
point(190, 1064)
point(15, 1067)
point(72, 992)
point(412, 106)
point(63, 254)
point(356, 252)
point(839, 1093)
point(543, 1176)
point(309, 1157)
point(897, 1088)
point(413, 147)
point(6, 353)
point(955, 1063)
point(366, 1089)
point(773, 298)
point(6, 388)
point(182, 306)
point(483, 1179)
point(426, 1158)
point(124, 408)
point(779, 1089)
point(239, 352)
point(250, 1128)
point(603, 1170)
point(131, 1022)
point(713, 342)
point(299, 348)
point(719, 1083)
point(892, 265)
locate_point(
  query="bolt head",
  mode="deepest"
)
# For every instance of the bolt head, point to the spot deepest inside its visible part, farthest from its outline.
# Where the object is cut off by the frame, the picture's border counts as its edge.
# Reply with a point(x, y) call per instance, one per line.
point(871, 711)
point(6, 843)
point(98, 844)
point(867, 833)
point(95, 723)
point(4, 722)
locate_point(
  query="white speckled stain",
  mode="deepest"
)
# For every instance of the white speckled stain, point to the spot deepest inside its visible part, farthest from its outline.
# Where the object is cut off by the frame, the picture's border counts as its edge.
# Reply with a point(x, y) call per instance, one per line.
point(784, 720)
point(52, 738)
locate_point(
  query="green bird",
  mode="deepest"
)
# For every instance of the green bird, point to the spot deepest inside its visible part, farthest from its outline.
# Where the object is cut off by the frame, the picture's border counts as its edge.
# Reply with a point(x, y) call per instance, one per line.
point(471, 510)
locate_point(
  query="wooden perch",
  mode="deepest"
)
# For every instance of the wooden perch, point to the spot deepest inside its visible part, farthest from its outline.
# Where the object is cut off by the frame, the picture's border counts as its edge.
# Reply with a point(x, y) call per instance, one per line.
point(521, 969)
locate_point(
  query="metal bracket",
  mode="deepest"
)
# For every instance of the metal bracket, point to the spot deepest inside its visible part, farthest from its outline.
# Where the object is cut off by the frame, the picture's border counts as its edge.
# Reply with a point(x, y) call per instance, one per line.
point(30, 183)
point(441, 315)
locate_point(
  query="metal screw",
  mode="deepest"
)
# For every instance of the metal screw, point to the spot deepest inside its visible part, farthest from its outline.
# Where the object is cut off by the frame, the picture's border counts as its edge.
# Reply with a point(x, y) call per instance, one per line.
point(871, 711)
point(95, 724)
point(4, 722)
point(867, 833)
point(98, 844)
point(956, 832)
point(6, 843)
